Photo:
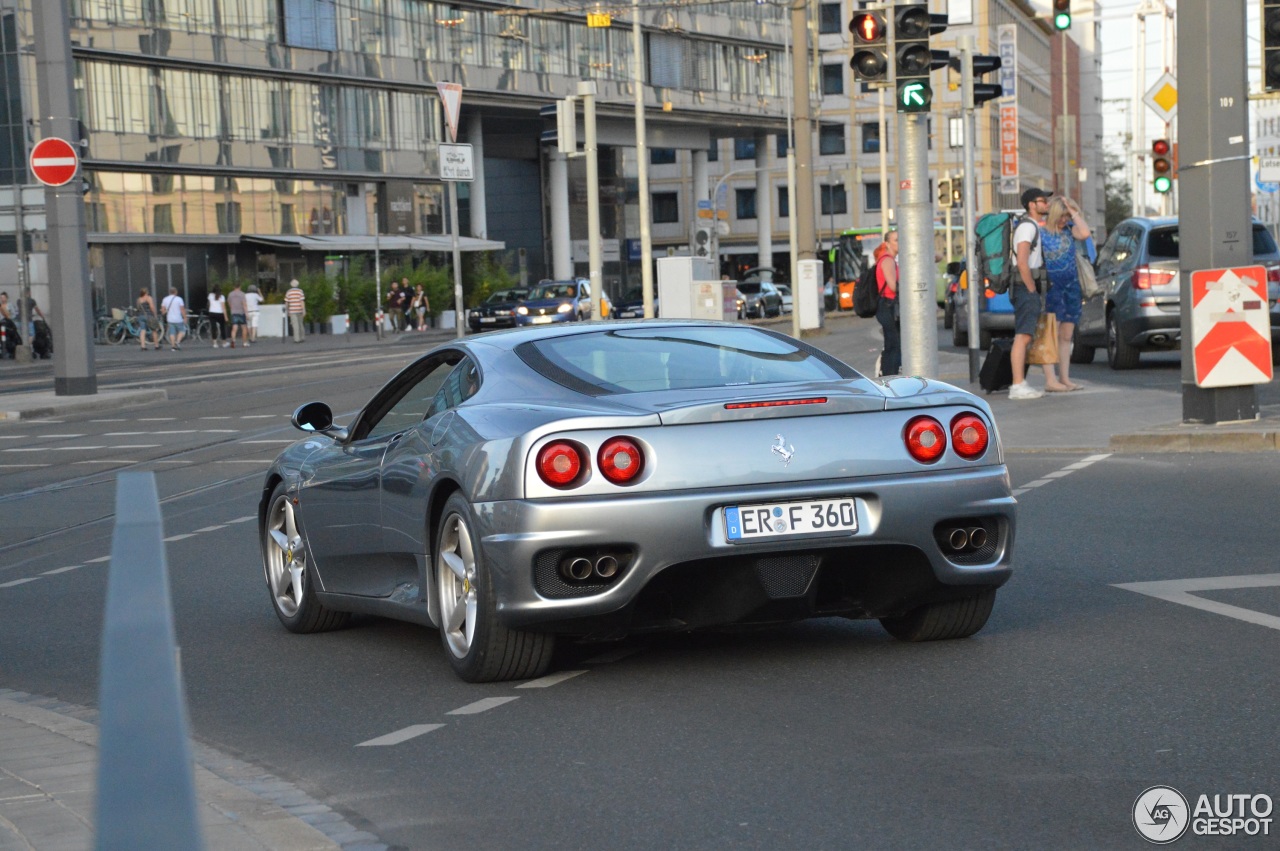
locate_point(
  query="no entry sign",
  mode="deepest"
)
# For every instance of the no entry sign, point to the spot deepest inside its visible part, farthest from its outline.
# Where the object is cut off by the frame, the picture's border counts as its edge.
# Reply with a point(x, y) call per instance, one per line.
point(54, 161)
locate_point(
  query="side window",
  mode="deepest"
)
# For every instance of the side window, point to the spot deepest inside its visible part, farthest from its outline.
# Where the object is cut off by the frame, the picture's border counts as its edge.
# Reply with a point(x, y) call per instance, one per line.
point(1125, 257)
point(406, 405)
point(461, 384)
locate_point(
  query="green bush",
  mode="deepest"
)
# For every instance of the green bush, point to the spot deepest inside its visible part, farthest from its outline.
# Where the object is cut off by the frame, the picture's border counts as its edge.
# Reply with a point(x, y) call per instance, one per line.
point(485, 274)
point(321, 299)
point(356, 295)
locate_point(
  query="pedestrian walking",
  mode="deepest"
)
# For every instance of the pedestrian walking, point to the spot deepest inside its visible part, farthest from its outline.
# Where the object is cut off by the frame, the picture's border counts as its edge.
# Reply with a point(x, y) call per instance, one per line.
point(253, 308)
point(1060, 237)
point(395, 307)
point(236, 308)
point(887, 313)
point(1027, 289)
point(174, 309)
point(420, 307)
point(295, 304)
point(148, 319)
point(8, 328)
point(218, 316)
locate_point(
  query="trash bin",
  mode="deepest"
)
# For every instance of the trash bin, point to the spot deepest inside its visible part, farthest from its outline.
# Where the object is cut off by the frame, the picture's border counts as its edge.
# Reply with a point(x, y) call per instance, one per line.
point(448, 319)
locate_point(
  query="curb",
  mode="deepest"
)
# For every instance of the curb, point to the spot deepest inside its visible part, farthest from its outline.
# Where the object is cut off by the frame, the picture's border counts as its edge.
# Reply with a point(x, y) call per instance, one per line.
point(27, 406)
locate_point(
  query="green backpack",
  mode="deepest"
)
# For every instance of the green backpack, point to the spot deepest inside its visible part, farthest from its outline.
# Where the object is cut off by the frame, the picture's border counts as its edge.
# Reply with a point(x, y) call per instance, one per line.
point(997, 261)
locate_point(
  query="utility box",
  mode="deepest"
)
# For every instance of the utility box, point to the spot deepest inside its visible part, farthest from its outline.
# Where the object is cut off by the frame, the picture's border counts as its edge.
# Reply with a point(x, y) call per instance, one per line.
point(807, 295)
point(688, 289)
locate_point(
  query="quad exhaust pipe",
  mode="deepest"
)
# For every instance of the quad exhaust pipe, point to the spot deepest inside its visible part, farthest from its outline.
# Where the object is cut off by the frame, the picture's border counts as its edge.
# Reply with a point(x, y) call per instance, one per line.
point(581, 569)
point(965, 539)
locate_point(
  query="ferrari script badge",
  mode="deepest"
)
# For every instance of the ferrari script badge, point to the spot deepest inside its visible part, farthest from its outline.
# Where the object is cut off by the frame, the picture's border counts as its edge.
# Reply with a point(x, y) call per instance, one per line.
point(783, 450)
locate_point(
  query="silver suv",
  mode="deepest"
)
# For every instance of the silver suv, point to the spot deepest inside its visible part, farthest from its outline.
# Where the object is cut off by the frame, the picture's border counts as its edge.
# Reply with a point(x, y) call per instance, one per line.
point(1138, 309)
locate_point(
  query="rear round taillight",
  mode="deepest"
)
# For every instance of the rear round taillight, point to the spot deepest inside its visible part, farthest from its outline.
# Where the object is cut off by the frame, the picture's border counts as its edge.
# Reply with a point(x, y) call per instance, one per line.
point(926, 440)
point(621, 460)
point(560, 464)
point(969, 436)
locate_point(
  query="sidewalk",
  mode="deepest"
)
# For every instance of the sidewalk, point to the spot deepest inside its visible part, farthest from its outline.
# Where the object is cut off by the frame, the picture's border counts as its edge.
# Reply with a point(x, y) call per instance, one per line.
point(48, 773)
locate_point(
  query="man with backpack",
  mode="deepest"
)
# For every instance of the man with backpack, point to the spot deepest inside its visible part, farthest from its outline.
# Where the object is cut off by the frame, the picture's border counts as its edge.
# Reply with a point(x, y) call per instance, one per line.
point(887, 310)
point(1027, 291)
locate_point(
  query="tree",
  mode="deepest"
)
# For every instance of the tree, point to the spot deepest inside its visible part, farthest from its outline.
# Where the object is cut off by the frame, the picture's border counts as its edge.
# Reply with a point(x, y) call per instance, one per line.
point(1119, 193)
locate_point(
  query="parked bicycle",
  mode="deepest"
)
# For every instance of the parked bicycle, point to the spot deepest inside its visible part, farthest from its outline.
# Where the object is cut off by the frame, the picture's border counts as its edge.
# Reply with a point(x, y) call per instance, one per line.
point(199, 328)
point(128, 327)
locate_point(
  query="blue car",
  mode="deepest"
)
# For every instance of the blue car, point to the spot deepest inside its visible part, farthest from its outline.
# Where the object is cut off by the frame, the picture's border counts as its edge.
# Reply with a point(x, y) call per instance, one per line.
point(556, 301)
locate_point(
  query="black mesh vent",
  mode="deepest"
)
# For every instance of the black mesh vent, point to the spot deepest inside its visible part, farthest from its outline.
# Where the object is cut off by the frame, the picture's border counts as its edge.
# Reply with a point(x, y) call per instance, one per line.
point(549, 583)
point(783, 577)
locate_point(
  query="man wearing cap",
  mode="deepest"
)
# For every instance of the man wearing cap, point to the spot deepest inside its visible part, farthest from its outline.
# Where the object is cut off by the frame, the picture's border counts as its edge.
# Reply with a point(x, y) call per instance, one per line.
point(1027, 293)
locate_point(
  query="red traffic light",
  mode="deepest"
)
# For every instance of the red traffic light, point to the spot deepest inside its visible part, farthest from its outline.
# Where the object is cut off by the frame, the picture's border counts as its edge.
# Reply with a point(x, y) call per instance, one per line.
point(867, 27)
point(1160, 147)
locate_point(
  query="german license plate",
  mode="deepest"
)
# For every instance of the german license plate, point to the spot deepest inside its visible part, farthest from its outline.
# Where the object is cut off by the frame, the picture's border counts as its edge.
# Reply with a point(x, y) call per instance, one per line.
point(811, 517)
point(542, 320)
point(488, 319)
point(627, 314)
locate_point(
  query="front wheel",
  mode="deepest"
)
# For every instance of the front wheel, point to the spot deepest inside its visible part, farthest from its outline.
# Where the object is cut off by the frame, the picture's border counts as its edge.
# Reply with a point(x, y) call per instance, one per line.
point(116, 332)
point(945, 620)
point(1080, 353)
point(479, 648)
point(290, 578)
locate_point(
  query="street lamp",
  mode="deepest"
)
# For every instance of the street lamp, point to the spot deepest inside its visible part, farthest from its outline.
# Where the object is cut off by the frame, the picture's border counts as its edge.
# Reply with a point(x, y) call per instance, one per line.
point(715, 210)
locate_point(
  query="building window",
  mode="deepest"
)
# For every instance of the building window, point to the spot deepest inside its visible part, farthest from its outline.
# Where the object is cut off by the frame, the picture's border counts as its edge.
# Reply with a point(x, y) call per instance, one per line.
point(662, 156)
point(666, 207)
point(871, 137)
point(833, 79)
point(871, 194)
point(744, 149)
point(228, 216)
point(746, 199)
point(311, 23)
point(163, 218)
point(784, 203)
point(830, 19)
point(782, 146)
point(831, 139)
point(713, 153)
point(834, 200)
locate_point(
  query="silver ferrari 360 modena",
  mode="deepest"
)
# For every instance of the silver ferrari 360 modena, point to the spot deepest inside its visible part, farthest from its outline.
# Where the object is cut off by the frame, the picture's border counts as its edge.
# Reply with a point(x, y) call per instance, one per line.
point(593, 480)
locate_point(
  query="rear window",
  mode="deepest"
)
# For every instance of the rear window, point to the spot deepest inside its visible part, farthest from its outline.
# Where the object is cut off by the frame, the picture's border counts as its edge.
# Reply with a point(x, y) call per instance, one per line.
point(1163, 243)
point(637, 360)
point(749, 287)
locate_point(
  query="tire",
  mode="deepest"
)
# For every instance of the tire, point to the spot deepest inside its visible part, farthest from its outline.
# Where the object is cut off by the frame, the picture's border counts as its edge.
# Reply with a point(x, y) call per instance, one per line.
point(116, 332)
point(948, 315)
point(288, 573)
point(479, 648)
point(1080, 353)
point(1120, 355)
point(943, 621)
point(199, 331)
point(959, 338)
point(984, 340)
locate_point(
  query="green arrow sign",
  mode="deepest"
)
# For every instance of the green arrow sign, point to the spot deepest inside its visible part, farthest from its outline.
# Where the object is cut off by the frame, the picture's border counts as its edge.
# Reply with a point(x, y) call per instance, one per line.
point(914, 96)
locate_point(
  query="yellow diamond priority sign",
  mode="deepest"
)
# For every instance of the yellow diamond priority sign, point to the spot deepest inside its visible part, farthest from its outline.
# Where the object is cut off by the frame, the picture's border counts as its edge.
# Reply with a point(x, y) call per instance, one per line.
point(1162, 98)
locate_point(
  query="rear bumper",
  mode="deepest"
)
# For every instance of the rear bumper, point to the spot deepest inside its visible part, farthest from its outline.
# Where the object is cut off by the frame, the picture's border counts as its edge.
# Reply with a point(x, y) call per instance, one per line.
point(1152, 329)
point(678, 549)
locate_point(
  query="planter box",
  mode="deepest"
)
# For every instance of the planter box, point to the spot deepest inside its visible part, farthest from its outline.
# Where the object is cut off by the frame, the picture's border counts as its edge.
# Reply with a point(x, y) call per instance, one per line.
point(338, 323)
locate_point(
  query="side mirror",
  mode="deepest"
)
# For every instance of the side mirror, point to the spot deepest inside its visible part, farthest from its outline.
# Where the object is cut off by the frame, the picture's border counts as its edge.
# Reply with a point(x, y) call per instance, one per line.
point(317, 418)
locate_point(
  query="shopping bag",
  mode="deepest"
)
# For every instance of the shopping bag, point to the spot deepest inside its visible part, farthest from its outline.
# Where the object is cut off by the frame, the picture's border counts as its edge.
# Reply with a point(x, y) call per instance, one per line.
point(1089, 286)
point(1044, 345)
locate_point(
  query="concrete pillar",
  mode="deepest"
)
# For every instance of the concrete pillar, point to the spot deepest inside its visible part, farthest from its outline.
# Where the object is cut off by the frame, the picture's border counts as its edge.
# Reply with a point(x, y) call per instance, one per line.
point(764, 202)
point(700, 185)
point(561, 246)
point(479, 214)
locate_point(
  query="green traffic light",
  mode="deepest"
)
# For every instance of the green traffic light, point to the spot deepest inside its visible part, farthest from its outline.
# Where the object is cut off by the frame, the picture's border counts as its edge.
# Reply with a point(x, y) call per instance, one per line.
point(1163, 184)
point(914, 96)
point(1062, 21)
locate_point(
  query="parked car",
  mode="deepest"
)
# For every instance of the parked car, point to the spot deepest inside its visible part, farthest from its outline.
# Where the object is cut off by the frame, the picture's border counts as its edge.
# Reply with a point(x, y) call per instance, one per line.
point(631, 306)
point(1138, 308)
point(758, 299)
point(556, 301)
point(949, 300)
point(498, 310)
point(784, 290)
point(592, 480)
point(995, 315)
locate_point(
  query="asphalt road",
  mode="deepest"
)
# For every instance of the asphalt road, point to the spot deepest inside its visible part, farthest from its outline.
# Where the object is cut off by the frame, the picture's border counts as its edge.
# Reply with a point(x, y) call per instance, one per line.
point(1039, 732)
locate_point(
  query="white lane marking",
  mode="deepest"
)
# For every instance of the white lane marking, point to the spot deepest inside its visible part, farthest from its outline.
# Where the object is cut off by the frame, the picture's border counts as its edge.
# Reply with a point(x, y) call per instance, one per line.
point(122, 420)
point(1037, 483)
point(169, 461)
point(156, 419)
point(284, 440)
point(219, 431)
point(98, 560)
point(22, 466)
point(481, 706)
point(210, 529)
point(244, 519)
point(19, 582)
point(108, 461)
point(1065, 471)
point(215, 418)
point(13, 437)
point(261, 416)
point(400, 736)
point(51, 436)
point(127, 433)
point(178, 537)
point(136, 446)
point(1179, 591)
point(58, 570)
point(54, 449)
point(612, 656)
point(550, 680)
point(264, 461)
point(1059, 474)
point(178, 431)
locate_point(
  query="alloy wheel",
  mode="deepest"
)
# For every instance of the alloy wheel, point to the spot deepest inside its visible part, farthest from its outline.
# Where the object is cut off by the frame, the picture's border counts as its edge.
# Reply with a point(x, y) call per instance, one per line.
point(286, 560)
point(456, 575)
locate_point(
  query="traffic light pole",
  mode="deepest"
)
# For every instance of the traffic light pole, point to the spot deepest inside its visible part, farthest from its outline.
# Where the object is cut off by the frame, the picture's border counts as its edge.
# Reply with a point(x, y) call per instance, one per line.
point(967, 47)
point(1216, 231)
point(917, 303)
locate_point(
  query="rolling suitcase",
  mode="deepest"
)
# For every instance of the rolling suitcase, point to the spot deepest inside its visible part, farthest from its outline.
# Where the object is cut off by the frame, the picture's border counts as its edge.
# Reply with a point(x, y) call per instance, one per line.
point(997, 368)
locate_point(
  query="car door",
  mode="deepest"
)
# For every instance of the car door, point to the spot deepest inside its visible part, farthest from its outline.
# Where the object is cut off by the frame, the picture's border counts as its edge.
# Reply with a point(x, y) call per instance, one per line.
point(343, 502)
point(1115, 264)
point(411, 465)
point(584, 307)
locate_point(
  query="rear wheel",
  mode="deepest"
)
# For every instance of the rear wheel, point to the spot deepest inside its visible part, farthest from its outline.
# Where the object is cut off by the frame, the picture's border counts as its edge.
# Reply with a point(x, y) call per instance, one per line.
point(1120, 354)
point(116, 332)
point(290, 577)
point(479, 648)
point(949, 314)
point(959, 336)
point(1080, 353)
point(941, 621)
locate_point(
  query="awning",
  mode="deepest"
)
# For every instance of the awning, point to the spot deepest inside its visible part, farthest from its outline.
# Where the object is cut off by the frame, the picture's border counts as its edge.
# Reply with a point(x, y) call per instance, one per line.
point(145, 238)
point(362, 242)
